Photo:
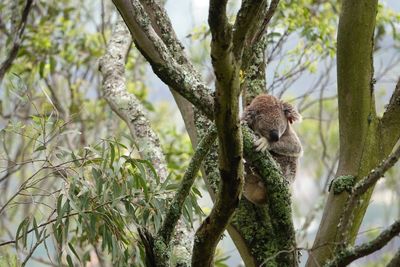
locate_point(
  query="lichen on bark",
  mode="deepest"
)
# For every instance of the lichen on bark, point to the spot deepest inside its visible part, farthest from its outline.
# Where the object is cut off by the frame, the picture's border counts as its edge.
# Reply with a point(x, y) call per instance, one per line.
point(342, 183)
point(254, 225)
point(167, 63)
point(279, 200)
point(360, 148)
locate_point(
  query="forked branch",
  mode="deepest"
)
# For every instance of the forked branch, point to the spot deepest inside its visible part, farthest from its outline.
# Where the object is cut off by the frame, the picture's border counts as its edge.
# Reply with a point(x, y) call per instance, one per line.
point(346, 256)
point(226, 114)
point(180, 77)
point(362, 186)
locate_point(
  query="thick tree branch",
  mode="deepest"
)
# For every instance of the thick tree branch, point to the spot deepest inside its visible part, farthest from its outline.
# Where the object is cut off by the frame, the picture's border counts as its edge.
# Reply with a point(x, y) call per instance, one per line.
point(254, 69)
point(362, 186)
point(125, 105)
point(226, 114)
point(270, 13)
point(390, 122)
point(163, 27)
point(253, 60)
point(355, 80)
point(247, 24)
point(17, 40)
point(181, 78)
point(221, 29)
point(346, 256)
point(358, 123)
point(279, 199)
point(128, 107)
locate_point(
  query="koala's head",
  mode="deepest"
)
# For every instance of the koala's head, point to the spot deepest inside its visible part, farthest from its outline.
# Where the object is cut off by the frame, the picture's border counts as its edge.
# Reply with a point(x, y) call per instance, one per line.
point(270, 117)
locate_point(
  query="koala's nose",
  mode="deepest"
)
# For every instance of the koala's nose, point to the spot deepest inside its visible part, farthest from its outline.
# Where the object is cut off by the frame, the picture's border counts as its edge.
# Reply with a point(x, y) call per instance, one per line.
point(273, 135)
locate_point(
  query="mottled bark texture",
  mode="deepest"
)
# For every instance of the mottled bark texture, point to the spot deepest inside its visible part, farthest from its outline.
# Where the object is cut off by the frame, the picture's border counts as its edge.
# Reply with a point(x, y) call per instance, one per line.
point(175, 210)
point(170, 66)
point(226, 114)
point(226, 53)
point(365, 139)
point(155, 38)
point(346, 256)
point(130, 110)
point(253, 59)
point(126, 105)
point(390, 123)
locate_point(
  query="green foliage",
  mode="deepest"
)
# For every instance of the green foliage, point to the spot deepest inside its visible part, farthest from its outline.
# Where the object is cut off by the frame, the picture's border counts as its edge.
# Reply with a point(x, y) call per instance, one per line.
point(314, 21)
point(100, 195)
point(69, 170)
point(85, 190)
point(178, 149)
point(9, 260)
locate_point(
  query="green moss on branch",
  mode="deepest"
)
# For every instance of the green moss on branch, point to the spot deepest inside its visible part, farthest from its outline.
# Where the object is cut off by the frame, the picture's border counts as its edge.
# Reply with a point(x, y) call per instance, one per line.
point(343, 183)
point(188, 179)
point(279, 199)
point(163, 238)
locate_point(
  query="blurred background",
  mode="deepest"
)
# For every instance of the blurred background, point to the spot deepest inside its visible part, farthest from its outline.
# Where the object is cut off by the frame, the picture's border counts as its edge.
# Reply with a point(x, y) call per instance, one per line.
point(54, 84)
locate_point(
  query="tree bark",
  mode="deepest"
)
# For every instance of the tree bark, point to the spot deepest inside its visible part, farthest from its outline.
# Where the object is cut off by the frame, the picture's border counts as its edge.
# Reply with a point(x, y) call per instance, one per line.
point(348, 255)
point(226, 113)
point(125, 105)
point(358, 123)
point(250, 224)
point(130, 110)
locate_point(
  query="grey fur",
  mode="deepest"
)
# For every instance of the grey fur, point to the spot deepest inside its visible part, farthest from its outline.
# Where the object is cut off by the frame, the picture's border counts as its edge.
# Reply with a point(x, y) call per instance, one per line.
point(265, 115)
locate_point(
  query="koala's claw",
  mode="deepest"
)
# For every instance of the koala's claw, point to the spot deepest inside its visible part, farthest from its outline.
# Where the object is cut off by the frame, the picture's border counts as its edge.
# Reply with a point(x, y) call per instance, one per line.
point(261, 144)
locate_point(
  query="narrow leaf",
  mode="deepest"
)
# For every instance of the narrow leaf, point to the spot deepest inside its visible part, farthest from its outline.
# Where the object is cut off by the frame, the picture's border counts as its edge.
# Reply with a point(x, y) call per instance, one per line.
point(69, 260)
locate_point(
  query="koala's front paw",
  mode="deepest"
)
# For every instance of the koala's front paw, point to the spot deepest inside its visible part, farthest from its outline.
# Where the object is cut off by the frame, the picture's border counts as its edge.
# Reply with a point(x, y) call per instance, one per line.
point(261, 144)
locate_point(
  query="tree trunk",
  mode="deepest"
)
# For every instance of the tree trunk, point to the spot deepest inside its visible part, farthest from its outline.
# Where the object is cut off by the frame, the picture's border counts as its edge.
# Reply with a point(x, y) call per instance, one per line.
point(358, 123)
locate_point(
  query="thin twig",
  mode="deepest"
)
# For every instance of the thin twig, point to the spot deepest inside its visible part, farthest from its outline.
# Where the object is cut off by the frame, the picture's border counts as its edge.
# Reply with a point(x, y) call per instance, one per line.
point(17, 40)
point(188, 179)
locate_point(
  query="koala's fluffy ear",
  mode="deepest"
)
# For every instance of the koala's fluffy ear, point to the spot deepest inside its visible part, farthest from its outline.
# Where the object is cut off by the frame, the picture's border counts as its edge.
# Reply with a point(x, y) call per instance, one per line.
point(291, 113)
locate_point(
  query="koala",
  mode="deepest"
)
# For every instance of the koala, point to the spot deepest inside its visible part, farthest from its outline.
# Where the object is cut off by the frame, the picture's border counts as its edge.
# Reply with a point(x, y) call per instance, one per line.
point(271, 119)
